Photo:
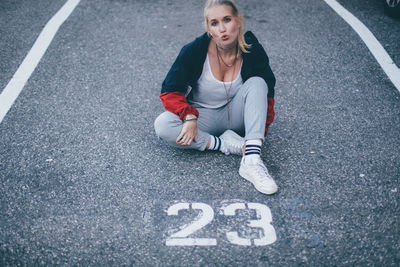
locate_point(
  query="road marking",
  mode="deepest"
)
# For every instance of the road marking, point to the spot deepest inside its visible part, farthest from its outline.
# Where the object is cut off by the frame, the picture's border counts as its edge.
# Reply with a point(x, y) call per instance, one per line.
point(25, 70)
point(206, 216)
point(377, 50)
point(181, 238)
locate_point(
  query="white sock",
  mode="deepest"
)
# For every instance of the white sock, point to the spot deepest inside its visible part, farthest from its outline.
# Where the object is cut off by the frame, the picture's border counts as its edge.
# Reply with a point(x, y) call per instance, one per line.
point(215, 143)
point(253, 150)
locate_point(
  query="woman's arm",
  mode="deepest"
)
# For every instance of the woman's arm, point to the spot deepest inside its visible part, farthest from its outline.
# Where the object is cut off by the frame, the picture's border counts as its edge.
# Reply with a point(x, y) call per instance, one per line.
point(260, 67)
point(176, 83)
point(189, 131)
point(270, 114)
point(173, 98)
point(264, 70)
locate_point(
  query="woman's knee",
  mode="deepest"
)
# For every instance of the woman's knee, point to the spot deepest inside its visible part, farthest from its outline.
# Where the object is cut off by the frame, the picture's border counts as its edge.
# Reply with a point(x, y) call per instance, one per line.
point(257, 84)
point(163, 124)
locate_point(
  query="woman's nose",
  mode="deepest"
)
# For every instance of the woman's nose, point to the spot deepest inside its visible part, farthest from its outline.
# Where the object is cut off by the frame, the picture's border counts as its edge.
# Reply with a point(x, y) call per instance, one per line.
point(222, 27)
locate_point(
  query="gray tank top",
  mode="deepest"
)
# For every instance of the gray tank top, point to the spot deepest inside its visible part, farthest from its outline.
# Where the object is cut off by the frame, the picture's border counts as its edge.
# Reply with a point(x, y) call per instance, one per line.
point(210, 92)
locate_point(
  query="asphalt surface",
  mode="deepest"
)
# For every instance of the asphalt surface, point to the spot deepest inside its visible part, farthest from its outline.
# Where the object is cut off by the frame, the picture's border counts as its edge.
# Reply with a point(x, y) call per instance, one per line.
point(85, 181)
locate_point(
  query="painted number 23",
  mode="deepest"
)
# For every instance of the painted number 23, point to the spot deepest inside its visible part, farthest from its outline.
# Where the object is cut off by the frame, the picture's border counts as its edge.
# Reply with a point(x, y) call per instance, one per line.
point(181, 238)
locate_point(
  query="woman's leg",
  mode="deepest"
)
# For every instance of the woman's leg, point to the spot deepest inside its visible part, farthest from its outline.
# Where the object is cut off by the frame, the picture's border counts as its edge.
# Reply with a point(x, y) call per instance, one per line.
point(210, 124)
point(249, 109)
point(249, 112)
point(168, 126)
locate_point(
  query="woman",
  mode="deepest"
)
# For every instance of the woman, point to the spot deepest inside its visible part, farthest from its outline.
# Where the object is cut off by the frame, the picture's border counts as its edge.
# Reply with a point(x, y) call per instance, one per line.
point(216, 89)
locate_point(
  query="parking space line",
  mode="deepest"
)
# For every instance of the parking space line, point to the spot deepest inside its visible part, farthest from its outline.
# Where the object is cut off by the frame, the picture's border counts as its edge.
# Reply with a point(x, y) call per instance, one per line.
point(25, 70)
point(377, 50)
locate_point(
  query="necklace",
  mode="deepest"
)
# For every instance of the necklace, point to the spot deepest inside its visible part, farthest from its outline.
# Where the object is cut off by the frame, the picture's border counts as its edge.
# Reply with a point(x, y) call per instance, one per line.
point(227, 91)
point(220, 57)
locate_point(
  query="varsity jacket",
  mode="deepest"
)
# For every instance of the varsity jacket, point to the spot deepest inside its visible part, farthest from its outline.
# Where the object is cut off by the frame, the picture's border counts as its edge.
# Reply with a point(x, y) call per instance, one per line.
point(188, 67)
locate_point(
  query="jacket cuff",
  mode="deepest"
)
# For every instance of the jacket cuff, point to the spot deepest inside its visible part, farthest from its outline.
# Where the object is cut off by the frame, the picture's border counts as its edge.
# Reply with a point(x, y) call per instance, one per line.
point(188, 110)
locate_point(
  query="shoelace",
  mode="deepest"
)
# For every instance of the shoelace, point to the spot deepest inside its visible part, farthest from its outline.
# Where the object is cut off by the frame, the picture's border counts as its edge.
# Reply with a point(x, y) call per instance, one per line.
point(236, 144)
point(234, 149)
point(261, 171)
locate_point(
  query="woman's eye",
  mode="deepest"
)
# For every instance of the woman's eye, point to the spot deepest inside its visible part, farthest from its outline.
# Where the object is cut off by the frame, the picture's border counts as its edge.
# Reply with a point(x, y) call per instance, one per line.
point(214, 23)
point(227, 19)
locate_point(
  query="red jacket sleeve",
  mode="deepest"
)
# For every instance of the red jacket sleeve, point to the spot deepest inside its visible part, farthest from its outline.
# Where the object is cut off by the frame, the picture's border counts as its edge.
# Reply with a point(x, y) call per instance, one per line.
point(176, 103)
point(270, 114)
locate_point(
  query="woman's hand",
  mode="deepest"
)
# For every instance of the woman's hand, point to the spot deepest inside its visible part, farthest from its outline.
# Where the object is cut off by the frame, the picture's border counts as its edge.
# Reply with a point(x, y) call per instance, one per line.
point(189, 132)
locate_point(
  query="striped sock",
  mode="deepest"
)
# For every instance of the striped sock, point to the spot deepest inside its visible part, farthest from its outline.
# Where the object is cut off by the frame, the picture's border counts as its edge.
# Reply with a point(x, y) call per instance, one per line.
point(215, 143)
point(253, 149)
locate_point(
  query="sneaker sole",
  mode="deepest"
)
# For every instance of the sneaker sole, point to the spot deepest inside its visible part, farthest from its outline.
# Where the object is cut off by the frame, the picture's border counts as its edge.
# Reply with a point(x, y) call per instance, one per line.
point(248, 178)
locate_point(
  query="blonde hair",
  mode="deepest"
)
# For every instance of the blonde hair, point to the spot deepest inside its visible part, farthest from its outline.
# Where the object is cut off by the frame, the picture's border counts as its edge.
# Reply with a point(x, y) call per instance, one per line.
point(235, 11)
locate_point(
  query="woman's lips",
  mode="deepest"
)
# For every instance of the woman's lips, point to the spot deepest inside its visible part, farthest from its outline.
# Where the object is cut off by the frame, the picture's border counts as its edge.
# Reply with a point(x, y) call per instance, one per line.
point(224, 37)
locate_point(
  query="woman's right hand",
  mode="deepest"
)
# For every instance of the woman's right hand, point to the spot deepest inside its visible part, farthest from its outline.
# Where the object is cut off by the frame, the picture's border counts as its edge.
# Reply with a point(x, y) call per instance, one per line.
point(188, 133)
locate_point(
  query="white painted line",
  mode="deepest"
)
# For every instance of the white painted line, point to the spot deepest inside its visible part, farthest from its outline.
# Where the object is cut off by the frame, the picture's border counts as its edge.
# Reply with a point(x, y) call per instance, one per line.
point(21, 76)
point(191, 242)
point(377, 50)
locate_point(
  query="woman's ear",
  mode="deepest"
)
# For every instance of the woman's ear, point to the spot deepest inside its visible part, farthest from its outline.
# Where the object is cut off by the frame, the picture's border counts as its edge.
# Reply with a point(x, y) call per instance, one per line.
point(240, 21)
point(208, 30)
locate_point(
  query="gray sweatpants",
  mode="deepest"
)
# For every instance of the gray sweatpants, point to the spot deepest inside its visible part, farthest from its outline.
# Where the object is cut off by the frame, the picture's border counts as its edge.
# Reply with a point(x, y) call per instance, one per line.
point(248, 112)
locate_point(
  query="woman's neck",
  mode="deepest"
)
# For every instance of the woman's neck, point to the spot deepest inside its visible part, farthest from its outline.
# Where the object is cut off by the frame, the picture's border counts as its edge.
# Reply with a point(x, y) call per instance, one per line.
point(227, 51)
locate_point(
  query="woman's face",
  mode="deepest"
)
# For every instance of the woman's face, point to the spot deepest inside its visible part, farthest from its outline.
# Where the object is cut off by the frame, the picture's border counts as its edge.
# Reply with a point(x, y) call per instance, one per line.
point(223, 25)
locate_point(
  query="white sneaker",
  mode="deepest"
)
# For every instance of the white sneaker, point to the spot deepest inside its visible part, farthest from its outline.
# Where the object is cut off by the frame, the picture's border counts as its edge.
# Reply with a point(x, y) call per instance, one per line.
point(256, 173)
point(232, 143)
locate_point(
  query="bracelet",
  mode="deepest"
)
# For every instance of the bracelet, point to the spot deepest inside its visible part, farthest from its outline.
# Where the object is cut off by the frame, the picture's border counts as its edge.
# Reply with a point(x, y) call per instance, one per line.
point(192, 119)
